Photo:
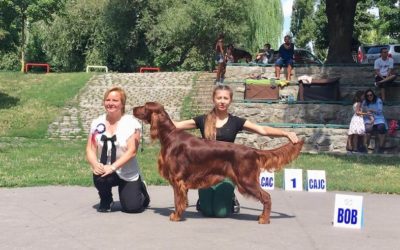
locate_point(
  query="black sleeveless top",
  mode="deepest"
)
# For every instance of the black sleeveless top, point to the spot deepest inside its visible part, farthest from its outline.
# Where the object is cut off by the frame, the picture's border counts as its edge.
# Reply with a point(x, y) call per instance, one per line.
point(227, 132)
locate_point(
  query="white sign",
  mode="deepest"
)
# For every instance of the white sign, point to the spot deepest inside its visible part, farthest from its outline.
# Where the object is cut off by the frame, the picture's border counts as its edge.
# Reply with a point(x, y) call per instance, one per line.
point(316, 181)
point(293, 180)
point(349, 211)
point(267, 180)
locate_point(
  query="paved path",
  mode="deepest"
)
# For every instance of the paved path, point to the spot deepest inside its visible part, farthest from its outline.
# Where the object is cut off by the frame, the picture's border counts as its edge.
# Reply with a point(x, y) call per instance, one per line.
point(65, 218)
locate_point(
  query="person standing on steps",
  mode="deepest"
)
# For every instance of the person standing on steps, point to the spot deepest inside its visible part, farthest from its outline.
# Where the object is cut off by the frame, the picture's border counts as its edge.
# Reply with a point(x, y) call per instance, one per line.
point(220, 59)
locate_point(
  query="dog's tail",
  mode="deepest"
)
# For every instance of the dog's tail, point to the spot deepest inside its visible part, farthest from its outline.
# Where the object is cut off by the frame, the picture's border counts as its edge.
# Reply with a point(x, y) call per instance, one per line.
point(276, 159)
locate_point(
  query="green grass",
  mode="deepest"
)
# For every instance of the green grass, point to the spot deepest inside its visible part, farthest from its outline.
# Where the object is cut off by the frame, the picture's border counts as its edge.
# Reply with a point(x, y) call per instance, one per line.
point(41, 162)
point(362, 173)
point(29, 102)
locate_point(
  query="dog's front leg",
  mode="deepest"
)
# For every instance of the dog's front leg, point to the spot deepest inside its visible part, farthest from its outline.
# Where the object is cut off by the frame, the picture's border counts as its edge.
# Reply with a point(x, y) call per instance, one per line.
point(180, 198)
point(266, 201)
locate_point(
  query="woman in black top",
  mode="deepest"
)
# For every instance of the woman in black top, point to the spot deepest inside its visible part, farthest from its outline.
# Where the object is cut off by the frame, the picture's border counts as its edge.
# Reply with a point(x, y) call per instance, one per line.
point(220, 125)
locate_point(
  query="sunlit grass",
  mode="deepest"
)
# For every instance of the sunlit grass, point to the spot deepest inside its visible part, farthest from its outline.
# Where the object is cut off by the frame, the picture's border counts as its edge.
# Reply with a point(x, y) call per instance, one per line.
point(30, 102)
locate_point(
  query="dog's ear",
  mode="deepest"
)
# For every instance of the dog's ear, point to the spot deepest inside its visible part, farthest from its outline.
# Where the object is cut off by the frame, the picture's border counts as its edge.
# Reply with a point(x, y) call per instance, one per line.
point(154, 126)
point(154, 107)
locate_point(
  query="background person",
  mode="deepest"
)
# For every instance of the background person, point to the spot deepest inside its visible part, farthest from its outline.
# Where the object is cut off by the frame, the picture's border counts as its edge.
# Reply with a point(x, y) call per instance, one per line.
point(111, 149)
point(373, 106)
point(356, 131)
point(285, 58)
point(265, 55)
point(229, 54)
point(220, 125)
point(384, 70)
point(220, 59)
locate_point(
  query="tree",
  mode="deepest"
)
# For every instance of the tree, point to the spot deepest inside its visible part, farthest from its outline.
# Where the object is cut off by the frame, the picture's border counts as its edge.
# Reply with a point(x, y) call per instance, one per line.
point(364, 22)
point(302, 24)
point(182, 33)
point(265, 21)
point(389, 18)
point(340, 15)
point(28, 12)
point(99, 32)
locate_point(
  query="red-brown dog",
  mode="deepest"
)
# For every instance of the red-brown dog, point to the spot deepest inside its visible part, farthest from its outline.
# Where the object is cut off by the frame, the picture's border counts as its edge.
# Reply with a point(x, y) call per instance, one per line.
point(189, 162)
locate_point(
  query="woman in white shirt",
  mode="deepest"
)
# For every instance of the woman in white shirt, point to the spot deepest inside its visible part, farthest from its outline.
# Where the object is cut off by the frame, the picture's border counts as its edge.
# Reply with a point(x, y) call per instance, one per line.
point(111, 152)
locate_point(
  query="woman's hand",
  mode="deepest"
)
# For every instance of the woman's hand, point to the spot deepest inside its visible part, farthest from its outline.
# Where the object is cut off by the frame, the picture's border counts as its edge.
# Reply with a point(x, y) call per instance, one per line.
point(98, 169)
point(108, 169)
point(292, 137)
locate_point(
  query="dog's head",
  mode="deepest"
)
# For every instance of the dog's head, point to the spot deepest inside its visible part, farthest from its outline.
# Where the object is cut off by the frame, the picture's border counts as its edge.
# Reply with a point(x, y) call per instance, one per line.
point(152, 113)
point(146, 112)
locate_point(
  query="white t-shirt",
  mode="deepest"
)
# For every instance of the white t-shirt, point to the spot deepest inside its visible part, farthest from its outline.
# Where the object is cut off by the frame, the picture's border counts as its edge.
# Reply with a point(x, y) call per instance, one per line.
point(383, 65)
point(125, 128)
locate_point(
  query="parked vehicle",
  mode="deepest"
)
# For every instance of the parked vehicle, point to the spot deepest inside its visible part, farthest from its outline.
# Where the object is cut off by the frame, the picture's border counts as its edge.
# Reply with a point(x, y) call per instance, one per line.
point(301, 56)
point(367, 54)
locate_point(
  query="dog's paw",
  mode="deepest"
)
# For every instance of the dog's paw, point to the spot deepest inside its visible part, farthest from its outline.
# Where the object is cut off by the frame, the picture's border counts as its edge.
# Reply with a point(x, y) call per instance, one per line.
point(263, 220)
point(174, 217)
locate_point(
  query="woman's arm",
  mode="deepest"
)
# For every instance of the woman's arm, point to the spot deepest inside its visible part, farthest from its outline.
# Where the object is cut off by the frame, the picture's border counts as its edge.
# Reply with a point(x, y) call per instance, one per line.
point(265, 130)
point(132, 146)
point(376, 108)
point(187, 124)
point(359, 110)
point(91, 157)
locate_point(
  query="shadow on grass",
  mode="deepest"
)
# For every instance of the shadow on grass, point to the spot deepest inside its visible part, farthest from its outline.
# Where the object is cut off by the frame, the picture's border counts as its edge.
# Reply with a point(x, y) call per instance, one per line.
point(7, 101)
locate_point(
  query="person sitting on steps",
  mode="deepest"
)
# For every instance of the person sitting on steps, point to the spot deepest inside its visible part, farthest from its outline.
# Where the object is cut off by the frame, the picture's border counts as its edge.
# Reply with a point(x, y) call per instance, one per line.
point(286, 53)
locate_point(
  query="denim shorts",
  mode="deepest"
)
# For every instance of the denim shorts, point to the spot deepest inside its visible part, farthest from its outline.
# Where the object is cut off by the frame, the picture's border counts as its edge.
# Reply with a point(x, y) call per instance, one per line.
point(219, 58)
point(378, 128)
point(284, 62)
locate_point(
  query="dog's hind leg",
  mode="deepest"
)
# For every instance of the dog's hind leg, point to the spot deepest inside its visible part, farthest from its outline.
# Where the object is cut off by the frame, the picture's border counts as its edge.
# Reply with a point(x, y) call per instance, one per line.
point(180, 198)
point(254, 189)
point(265, 199)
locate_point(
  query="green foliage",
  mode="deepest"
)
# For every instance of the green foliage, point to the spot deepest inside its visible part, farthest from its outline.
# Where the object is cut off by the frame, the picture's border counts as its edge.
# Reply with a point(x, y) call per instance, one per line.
point(25, 12)
point(125, 34)
point(9, 37)
point(95, 32)
point(183, 33)
point(302, 23)
point(9, 61)
point(265, 21)
point(389, 19)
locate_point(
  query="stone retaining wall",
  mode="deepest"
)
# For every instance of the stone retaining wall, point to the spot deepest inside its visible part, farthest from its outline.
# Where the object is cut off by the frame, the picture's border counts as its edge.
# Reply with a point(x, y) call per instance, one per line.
point(352, 77)
point(170, 90)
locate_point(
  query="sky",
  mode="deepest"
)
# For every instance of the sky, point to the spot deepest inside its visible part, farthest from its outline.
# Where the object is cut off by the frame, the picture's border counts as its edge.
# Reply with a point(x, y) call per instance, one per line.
point(287, 12)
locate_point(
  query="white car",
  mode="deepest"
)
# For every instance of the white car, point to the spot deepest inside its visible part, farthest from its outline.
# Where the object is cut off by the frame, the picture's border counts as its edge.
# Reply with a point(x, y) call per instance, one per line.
point(367, 54)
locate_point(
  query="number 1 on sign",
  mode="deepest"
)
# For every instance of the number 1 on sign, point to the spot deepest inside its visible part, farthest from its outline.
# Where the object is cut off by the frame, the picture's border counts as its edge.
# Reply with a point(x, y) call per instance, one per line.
point(294, 183)
point(293, 179)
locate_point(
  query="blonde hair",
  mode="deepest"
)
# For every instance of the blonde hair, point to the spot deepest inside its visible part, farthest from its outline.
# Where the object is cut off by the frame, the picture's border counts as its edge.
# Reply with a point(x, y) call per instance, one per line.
point(210, 129)
point(121, 93)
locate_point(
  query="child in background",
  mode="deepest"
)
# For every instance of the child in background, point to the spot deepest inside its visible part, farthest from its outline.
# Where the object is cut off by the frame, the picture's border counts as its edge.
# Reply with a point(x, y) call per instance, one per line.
point(356, 131)
point(229, 56)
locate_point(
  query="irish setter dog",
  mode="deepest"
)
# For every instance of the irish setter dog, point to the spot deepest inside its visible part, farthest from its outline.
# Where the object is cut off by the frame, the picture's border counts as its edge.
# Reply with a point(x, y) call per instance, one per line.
point(189, 162)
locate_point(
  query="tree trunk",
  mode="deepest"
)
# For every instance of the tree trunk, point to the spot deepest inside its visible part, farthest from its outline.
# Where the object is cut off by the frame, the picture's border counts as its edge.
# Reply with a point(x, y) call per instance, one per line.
point(340, 15)
point(23, 42)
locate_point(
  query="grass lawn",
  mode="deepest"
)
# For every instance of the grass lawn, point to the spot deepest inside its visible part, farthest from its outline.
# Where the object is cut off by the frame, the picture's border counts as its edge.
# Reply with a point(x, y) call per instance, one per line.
point(30, 102)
